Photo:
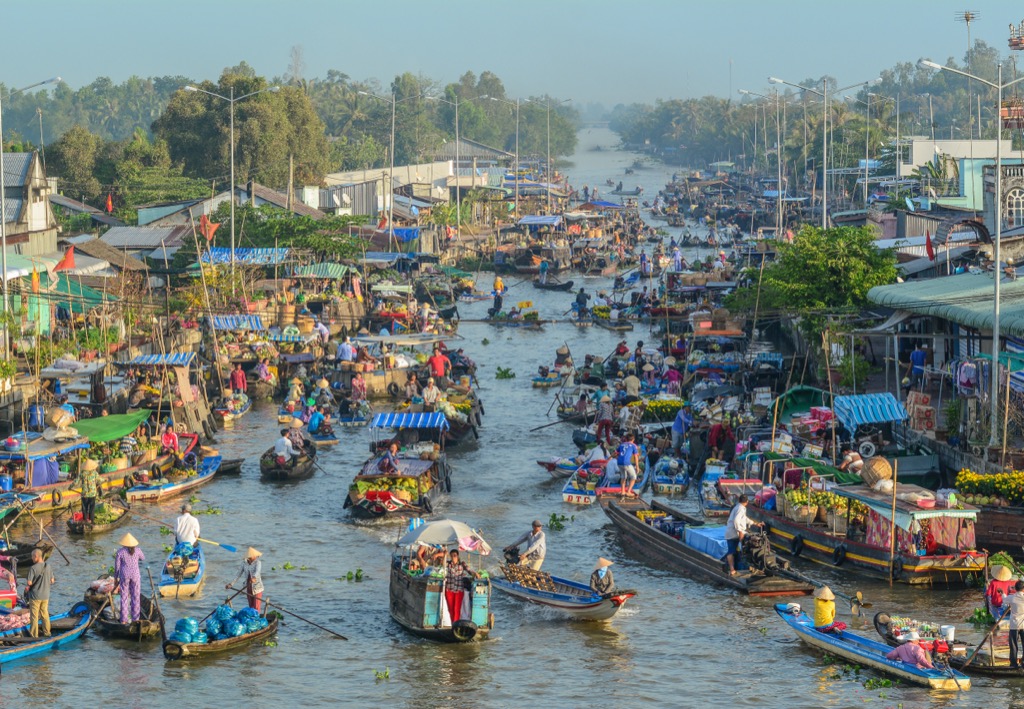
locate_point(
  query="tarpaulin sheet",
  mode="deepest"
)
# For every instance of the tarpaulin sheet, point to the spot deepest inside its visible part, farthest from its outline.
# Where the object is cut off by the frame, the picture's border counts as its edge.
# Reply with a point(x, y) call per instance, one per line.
point(428, 420)
point(860, 409)
point(708, 540)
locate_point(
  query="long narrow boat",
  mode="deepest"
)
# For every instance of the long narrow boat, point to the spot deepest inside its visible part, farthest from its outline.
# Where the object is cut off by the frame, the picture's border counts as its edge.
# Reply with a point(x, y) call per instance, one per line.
point(323, 439)
point(64, 628)
point(867, 653)
point(667, 535)
point(188, 651)
point(576, 599)
point(156, 490)
point(553, 284)
point(183, 575)
point(619, 325)
point(303, 467)
point(993, 657)
point(611, 485)
point(108, 623)
point(77, 526)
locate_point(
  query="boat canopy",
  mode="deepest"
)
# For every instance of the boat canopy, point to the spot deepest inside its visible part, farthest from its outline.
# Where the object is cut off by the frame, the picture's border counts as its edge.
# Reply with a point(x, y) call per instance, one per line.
point(906, 512)
point(860, 409)
point(541, 220)
point(327, 269)
point(446, 533)
point(281, 337)
point(392, 420)
point(390, 288)
point(408, 340)
point(111, 428)
point(36, 447)
point(168, 359)
point(251, 257)
point(238, 322)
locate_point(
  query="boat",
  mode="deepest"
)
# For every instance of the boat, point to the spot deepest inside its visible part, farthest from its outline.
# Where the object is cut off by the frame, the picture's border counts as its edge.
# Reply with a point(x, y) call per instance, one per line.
point(576, 599)
point(581, 487)
point(16, 644)
point(114, 515)
point(108, 623)
point(635, 192)
point(553, 284)
point(423, 474)
point(303, 467)
point(867, 653)
point(666, 480)
point(323, 439)
point(230, 466)
point(21, 552)
point(175, 483)
point(233, 408)
point(285, 414)
point(619, 325)
point(991, 658)
point(417, 595)
point(611, 485)
point(553, 379)
point(174, 650)
point(184, 571)
point(560, 467)
point(662, 533)
point(719, 491)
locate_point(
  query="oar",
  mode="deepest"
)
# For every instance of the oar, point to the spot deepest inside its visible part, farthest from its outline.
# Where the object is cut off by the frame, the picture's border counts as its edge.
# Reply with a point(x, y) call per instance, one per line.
point(985, 639)
point(156, 603)
point(227, 601)
point(952, 676)
point(226, 547)
point(553, 423)
point(55, 546)
point(305, 620)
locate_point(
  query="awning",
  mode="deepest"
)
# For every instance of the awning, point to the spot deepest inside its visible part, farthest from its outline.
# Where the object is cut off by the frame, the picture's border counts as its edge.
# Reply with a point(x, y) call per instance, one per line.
point(322, 270)
point(111, 428)
point(238, 322)
point(431, 420)
point(860, 409)
point(390, 288)
point(906, 512)
point(38, 447)
point(540, 220)
point(300, 358)
point(72, 294)
point(410, 340)
point(278, 337)
point(252, 257)
point(171, 359)
point(407, 234)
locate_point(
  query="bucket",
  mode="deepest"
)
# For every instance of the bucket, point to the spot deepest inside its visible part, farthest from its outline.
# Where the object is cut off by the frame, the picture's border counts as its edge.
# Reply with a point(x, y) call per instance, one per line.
point(464, 381)
point(6, 484)
point(36, 417)
point(947, 632)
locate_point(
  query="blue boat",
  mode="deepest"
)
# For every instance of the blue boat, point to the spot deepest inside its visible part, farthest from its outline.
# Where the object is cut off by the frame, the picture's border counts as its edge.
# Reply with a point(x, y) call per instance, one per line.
point(323, 439)
point(65, 627)
point(235, 411)
point(576, 599)
point(162, 488)
point(869, 653)
point(581, 487)
point(184, 571)
point(668, 481)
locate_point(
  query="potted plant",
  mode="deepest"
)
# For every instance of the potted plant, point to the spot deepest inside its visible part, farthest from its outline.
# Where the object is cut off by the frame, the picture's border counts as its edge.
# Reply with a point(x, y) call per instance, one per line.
point(8, 369)
point(953, 411)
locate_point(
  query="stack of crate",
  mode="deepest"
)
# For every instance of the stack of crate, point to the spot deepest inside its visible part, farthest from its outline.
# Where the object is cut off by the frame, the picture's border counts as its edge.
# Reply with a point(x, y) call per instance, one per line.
point(921, 412)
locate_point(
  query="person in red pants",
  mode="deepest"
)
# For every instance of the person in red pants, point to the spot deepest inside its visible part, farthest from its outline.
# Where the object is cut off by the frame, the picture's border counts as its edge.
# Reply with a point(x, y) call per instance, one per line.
point(455, 574)
point(605, 414)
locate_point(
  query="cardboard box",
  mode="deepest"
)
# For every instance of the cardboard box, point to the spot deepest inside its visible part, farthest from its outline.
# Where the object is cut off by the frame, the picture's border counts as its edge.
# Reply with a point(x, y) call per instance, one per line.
point(821, 413)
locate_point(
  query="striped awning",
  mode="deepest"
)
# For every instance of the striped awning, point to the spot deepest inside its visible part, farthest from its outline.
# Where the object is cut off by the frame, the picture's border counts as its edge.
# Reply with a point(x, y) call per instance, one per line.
point(860, 409)
point(292, 338)
point(322, 270)
point(238, 322)
point(431, 420)
point(171, 359)
point(253, 257)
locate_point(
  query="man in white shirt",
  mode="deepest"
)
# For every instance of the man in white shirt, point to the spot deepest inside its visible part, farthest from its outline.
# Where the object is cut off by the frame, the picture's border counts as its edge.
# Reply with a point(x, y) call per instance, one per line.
point(735, 530)
point(186, 527)
point(284, 451)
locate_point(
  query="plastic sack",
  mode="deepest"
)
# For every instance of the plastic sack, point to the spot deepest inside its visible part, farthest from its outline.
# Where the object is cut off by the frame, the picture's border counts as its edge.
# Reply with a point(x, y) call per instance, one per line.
point(187, 625)
point(213, 626)
point(264, 623)
point(179, 637)
point(246, 613)
point(201, 638)
point(233, 629)
point(184, 549)
point(224, 613)
point(252, 625)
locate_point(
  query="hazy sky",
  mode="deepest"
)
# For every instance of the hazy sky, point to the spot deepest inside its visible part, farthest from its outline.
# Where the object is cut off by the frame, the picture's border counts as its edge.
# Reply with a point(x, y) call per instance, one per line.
point(611, 52)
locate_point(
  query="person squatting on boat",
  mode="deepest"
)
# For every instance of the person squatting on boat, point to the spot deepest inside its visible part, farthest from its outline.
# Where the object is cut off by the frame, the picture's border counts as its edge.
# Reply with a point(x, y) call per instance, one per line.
point(911, 652)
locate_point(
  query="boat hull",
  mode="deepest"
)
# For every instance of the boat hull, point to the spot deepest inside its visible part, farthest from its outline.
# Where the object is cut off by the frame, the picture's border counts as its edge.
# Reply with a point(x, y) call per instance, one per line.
point(187, 651)
point(106, 624)
point(416, 604)
point(208, 467)
point(169, 586)
point(80, 620)
point(582, 605)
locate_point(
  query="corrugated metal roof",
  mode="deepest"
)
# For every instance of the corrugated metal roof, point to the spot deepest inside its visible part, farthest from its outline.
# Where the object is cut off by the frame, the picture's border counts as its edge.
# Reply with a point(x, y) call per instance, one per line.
point(965, 299)
point(16, 168)
point(237, 322)
point(72, 204)
point(101, 250)
point(859, 409)
point(322, 270)
point(12, 208)
point(145, 237)
point(259, 257)
point(174, 359)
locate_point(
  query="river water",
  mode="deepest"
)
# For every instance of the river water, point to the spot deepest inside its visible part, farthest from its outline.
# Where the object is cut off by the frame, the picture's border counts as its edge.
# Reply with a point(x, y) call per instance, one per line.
point(680, 643)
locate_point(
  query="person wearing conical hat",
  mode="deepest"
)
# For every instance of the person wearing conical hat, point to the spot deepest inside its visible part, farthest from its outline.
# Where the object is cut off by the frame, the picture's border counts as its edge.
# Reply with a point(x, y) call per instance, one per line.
point(1001, 586)
point(252, 573)
point(129, 578)
point(824, 607)
point(295, 434)
point(601, 580)
point(91, 483)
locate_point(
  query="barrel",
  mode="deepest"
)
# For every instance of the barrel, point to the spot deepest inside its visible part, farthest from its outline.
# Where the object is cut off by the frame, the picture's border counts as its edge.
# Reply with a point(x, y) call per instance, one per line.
point(37, 417)
point(285, 315)
point(6, 484)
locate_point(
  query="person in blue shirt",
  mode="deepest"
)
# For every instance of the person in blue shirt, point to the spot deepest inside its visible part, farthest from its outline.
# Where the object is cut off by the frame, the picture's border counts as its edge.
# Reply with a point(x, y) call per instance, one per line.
point(345, 352)
point(680, 427)
point(918, 359)
point(628, 460)
point(318, 423)
point(68, 407)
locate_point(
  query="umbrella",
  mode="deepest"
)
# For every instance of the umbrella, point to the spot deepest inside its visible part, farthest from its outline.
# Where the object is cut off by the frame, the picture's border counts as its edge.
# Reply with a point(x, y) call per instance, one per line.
point(446, 532)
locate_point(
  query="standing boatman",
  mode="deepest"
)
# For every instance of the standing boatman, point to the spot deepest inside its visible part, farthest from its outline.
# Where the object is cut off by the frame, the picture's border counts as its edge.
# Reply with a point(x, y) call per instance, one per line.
point(129, 579)
point(536, 546)
point(252, 572)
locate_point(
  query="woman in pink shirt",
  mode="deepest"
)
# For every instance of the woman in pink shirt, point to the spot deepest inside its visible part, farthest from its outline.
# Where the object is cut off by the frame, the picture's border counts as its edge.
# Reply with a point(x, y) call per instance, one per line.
point(911, 653)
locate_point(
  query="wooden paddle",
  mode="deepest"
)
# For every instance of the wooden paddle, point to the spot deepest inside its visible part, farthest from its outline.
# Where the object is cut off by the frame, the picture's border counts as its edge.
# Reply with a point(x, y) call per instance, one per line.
point(226, 547)
point(984, 640)
point(156, 604)
point(226, 602)
point(296, 615)
point(43, 531)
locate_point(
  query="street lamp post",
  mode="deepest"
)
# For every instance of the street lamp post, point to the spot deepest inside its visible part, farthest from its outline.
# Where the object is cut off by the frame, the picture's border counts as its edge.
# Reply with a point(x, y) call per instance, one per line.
point(232, 100)
point(997, 273)
point(824, 134)
point(3, 210)
point(778, 159)
point(549, 170)
point(516, 104)
point(899, 153)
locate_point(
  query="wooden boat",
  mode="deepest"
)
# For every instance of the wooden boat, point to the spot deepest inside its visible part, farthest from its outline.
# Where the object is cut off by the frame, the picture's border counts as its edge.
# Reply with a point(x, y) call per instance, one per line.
point(992, 658)
point(108, 623)
point(635, 192)
point(303, 468)
point(183, 576)
point(259, 389)
point(798, 399)
point(662, 533)
point(666, 481)
point(867, 653)
point(188, 651)
point(234, 412)
point(230, 466)
point(611, 485)
point(576, 599)
point(77, 525)
point(717, 494)
point(286, 416)
point(417, 598)
point(553, 284)
point(861, 548)
point(619, 325)
point(323, 439)
point(560, 467)
point(581, 487)
point(552, 380)
point(175, 484)
point(16, 644)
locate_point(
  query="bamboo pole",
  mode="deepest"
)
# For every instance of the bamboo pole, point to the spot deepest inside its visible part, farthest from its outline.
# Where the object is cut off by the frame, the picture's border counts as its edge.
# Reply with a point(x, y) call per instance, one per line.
point(828, 375)
point(892, 522)
point(1006, 416)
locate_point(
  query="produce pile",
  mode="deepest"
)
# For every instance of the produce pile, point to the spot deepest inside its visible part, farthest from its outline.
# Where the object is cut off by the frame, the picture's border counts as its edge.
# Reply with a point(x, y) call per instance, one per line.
point(659, 409)
point(999, 490)
point(829, 500)
point(223, 624)
point(403, 488)
point(451, 411)
point(105, 514)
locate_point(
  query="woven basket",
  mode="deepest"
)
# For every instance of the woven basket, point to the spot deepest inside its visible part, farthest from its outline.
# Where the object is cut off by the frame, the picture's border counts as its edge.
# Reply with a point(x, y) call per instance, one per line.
point(836, 522)
point(821, 515)
point(803, 514)
point(877, 468)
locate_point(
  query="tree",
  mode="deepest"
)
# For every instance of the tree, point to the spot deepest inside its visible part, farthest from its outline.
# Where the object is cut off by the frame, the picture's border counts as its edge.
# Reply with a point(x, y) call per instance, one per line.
point(73, 160)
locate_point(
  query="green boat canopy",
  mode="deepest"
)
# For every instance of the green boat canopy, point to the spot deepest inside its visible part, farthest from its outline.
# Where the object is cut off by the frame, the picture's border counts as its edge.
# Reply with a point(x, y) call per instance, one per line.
point(78, 298)
point(109, 428)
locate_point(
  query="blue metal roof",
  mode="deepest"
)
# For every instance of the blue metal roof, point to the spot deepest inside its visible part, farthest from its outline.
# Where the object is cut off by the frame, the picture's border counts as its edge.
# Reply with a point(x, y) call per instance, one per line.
point(258, 257)
point(238, 322)
point(171, 359)
point(277, 337)
point(856, 410)
point(541, 220)
point(431, 420)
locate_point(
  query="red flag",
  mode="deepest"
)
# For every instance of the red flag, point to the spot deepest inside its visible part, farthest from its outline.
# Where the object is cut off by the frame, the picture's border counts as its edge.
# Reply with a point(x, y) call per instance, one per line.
point(35, 280)
point(110, 204)
point(383, 221)
point(207, 228)
point(928, 245)
point(68, 262)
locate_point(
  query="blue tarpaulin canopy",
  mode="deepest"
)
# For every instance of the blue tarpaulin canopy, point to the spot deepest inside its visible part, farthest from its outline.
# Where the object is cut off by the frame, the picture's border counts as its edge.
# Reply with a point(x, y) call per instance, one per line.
point(252, 257)
point(541, 220)
point(431, 420)
point(171, 359)
point(238, 322)
point(386, 255)
point(860, 409)
point(407, 234)
point(599, 204)
point(37, 447)
point(278, 337)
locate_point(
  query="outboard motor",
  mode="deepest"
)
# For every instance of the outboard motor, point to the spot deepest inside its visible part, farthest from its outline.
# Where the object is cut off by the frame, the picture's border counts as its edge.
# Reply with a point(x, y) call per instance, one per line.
point(512, 556)
point(757, 550)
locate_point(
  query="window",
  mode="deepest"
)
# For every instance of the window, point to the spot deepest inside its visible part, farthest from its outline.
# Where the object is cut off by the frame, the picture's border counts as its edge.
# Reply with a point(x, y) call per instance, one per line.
point(1015, 207)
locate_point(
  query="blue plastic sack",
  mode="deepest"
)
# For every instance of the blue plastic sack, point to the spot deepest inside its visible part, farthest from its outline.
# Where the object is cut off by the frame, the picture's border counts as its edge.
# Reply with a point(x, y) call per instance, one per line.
point(246, 613)
point(213, 626)
point(201, 637)
point(233, 628)
point(252, 625)
point(224, 613)
point(179, 637)
point(187, 625)
point(184, 549)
